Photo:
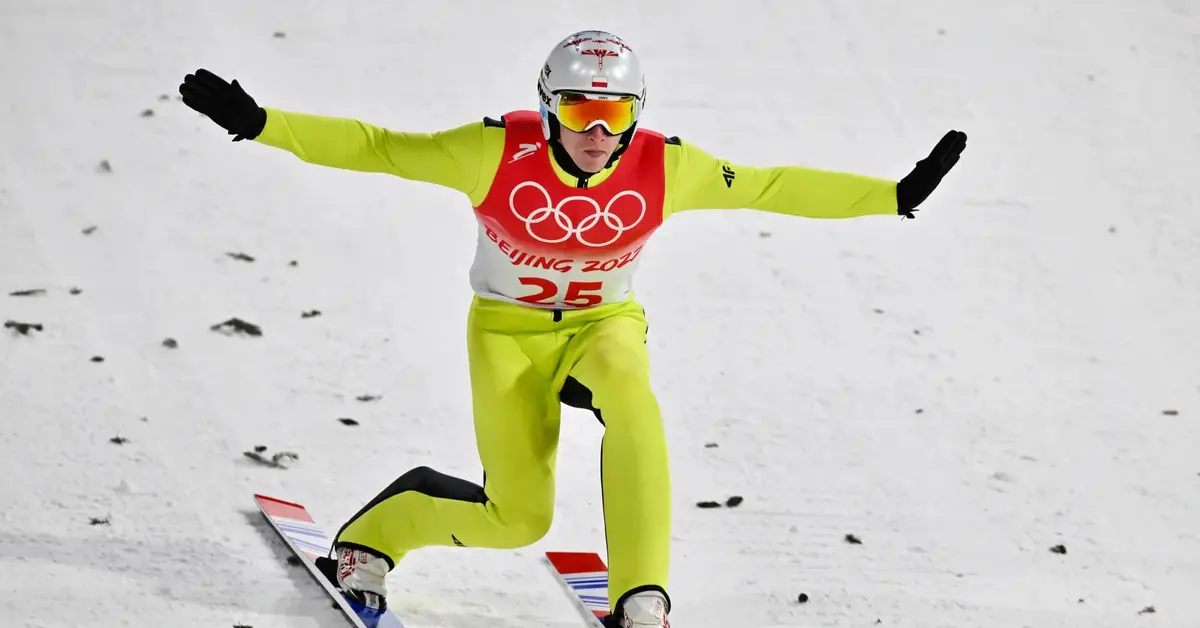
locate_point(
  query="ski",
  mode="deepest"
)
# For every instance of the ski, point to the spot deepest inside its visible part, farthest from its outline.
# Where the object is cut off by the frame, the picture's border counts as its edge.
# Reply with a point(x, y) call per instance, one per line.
point(584, 576)
point(308, 541)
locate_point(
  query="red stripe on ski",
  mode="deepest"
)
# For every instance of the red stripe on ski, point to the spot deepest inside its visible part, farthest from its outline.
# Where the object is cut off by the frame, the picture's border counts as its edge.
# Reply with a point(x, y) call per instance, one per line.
point(568, 563)
point(285, 510)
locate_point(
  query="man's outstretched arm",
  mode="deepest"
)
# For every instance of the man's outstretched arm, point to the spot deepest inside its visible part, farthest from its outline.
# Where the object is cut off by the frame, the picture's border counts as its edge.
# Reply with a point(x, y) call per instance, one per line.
point(452, 158)
point(697, 180)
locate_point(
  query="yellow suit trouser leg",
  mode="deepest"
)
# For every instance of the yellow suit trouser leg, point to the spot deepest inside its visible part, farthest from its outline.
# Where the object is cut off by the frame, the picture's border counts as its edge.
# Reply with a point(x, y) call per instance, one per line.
point(516, 422)
point(519, 360)
point(611, 360)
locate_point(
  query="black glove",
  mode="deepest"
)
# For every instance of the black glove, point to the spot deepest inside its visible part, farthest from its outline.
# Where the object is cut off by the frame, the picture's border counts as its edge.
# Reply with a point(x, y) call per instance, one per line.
point(227, 105)
point(913, 189)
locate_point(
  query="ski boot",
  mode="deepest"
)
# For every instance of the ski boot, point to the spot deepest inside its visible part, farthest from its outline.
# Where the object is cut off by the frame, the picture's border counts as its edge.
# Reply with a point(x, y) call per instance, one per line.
point(645, 609)
point(359, 574)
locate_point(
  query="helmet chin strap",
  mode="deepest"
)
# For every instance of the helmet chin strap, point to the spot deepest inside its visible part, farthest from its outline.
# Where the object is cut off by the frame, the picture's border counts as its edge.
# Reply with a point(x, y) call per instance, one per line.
point(568, 164)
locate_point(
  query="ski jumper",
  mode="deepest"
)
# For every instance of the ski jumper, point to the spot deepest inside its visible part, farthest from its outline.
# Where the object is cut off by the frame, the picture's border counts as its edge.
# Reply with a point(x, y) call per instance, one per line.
point(554, 320)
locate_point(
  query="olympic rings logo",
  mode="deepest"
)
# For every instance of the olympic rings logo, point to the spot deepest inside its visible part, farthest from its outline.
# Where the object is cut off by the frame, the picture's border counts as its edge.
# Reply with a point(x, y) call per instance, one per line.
point(568, 226)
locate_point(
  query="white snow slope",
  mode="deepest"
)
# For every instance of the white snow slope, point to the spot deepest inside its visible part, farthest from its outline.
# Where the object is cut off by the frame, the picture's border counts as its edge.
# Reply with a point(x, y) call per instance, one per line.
point(1017, 368)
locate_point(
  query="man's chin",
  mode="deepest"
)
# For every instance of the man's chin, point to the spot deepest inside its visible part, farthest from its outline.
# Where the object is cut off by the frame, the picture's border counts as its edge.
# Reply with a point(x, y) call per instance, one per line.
point(593, 164)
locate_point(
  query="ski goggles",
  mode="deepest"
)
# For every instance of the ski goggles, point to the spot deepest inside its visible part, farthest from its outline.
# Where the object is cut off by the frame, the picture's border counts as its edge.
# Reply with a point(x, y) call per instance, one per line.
point(579, 112)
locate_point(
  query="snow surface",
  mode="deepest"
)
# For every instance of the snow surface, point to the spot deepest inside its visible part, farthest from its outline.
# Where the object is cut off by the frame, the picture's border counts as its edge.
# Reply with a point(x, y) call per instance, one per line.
point(961, 392)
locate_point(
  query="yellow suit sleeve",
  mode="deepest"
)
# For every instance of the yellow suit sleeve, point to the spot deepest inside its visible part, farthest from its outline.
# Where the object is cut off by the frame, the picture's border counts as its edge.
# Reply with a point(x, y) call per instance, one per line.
point(697, 180)
point(463, 158)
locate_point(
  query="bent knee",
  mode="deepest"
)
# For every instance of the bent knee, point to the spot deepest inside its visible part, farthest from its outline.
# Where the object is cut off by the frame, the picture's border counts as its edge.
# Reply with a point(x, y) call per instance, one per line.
point(522, 507)
point(522, 528)
point(533, 527)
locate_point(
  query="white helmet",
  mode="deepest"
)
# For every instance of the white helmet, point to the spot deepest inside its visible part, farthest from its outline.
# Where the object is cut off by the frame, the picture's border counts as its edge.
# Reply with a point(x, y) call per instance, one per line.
point(593, 62)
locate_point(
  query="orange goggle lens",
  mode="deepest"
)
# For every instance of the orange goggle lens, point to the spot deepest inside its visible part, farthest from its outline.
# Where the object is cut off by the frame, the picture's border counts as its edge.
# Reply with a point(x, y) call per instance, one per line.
point(578, 112)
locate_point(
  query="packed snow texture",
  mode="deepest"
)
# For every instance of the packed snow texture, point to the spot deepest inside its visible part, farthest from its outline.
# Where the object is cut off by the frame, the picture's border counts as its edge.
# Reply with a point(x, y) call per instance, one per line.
point(1015, 370)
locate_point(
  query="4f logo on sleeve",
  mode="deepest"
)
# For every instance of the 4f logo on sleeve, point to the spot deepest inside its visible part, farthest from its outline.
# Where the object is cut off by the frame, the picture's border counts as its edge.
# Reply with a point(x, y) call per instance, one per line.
point(728, 175)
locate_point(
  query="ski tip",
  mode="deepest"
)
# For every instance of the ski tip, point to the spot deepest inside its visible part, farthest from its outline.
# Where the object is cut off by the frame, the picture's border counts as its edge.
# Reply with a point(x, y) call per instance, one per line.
point(267, 498)
point(585, 577)
point(576, 562)
point(275, 507)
